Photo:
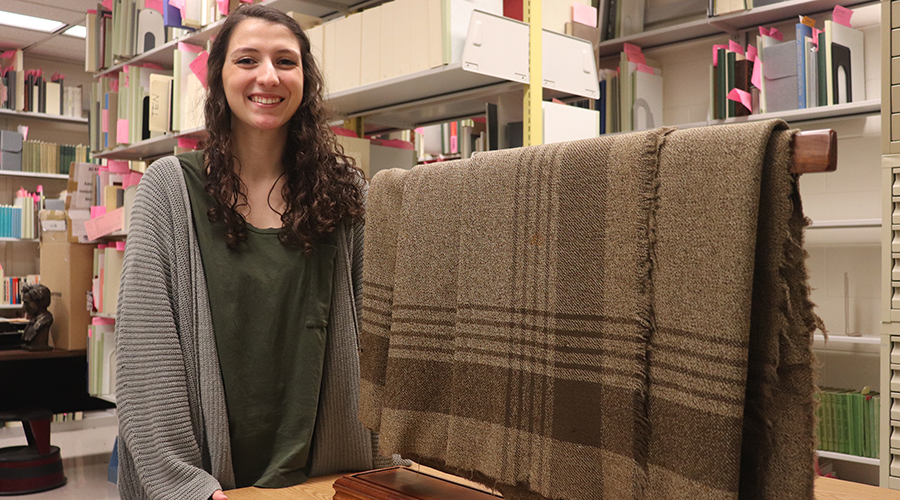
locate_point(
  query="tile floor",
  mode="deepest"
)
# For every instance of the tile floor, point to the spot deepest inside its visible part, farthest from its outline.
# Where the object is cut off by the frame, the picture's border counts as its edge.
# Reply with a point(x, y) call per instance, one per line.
point(85, 447)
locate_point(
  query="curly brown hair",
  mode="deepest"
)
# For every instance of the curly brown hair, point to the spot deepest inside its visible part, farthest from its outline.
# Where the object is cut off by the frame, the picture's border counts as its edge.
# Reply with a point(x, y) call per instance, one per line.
point(322, 187)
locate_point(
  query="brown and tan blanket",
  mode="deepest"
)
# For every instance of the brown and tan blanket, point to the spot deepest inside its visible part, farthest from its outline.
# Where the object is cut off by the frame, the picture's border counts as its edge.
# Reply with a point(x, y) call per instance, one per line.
point(621, 317)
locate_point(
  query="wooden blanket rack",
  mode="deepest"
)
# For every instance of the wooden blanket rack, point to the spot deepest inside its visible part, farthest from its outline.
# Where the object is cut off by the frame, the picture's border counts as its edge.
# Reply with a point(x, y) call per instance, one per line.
point(815, 151)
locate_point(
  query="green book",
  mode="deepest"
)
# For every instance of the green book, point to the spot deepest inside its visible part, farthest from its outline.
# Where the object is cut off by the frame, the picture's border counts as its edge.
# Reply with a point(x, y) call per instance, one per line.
point(730, 83)
point(720, 85)
point(823, 70)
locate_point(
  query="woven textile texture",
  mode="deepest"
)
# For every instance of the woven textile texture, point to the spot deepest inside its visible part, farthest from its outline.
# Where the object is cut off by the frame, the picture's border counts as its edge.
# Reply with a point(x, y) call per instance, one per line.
point(621, 317)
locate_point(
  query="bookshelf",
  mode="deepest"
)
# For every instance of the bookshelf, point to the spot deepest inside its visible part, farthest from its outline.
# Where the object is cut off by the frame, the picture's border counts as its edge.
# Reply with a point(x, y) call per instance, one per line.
point(729, 23)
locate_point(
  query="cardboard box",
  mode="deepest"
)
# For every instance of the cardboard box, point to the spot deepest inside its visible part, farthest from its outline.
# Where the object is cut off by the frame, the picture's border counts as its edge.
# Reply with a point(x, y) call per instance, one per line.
point(67, 269)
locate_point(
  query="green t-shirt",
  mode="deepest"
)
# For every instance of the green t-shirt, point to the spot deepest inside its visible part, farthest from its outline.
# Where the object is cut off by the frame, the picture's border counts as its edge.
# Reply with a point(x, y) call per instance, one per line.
point(270, 307)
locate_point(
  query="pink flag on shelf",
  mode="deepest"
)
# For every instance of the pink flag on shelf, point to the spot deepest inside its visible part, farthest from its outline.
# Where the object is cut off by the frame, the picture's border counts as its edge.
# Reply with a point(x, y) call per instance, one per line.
point(120, 246)
point(842, 15)
point(185, 143)
point(637, 57)
point(751, 53)
point(816, 32)
point(122, 131)
point(105, 224)
point(643, 68)
point(7, 54)
point(104, 121)
point(152, 66)
point(107, 4)
point(198, 66)
point(735, 47)
point(715, 49)
point(584, 14)
point(154, 4)
point(114, 85)
point(774, 33)
point(187, 47)
point(97, 211)
point(742, 97)
point(630, 48)
point(118, 166)
point(223, 7)
point(756, 79)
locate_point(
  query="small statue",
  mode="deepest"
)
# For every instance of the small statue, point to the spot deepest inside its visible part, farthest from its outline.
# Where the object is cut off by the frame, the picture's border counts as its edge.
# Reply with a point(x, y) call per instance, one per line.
point(37, 333)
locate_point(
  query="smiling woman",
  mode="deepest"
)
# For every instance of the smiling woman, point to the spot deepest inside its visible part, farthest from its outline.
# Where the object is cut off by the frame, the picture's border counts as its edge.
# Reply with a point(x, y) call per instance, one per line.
point(236, 335)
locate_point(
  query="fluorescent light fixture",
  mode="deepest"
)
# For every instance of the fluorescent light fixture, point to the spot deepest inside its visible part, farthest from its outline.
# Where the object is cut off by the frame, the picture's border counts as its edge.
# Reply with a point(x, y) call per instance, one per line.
point(29, 23)
point(76, 31)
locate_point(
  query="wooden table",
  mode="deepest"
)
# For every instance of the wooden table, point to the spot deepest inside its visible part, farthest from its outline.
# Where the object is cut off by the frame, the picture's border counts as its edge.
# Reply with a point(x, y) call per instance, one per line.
point(46, 380)
point(319, 488)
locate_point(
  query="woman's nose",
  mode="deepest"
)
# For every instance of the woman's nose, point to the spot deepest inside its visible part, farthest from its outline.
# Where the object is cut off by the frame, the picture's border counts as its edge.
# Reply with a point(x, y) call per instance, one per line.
point(268, 75)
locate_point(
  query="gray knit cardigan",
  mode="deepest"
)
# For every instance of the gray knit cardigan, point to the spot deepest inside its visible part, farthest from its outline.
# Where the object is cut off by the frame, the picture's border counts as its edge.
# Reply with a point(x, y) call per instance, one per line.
point(173, 424)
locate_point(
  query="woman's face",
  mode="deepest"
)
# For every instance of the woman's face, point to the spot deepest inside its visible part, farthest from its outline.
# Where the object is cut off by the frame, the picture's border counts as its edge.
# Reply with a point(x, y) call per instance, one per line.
point(263, 74)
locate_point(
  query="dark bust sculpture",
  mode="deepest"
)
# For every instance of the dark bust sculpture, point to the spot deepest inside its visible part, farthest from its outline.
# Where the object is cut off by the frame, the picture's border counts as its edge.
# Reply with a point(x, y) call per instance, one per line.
point(37, 333)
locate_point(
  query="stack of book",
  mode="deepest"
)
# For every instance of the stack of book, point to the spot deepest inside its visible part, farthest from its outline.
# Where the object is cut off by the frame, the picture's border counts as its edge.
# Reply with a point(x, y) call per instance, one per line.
point(631, 96)
point(33, 91)
point(50, 158)
point(848, 421)
point(818, 68)
point(11, 285)
point(101, 355)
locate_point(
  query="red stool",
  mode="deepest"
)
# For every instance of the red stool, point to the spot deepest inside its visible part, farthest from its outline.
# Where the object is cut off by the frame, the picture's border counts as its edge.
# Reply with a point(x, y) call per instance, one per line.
point(32, 468)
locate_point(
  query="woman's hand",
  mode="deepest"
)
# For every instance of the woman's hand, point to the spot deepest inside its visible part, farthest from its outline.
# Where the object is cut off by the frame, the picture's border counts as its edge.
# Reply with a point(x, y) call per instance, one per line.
point(219, 495)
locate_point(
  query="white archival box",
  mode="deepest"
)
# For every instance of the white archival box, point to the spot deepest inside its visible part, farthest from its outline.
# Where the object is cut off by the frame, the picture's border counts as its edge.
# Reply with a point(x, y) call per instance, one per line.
point(498, 46)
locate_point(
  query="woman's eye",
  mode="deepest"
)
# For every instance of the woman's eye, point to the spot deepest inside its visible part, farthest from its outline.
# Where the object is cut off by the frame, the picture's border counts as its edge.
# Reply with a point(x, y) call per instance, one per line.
point(244, 60)
point(287, 62)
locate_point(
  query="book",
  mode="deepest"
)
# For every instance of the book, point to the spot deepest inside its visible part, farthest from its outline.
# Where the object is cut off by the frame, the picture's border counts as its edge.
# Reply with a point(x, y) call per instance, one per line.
point(802, 32)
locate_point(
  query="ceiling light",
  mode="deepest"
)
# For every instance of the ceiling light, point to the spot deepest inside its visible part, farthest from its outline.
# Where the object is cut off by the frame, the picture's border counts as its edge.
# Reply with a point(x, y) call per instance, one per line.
point(29, 22)
point(76, 31)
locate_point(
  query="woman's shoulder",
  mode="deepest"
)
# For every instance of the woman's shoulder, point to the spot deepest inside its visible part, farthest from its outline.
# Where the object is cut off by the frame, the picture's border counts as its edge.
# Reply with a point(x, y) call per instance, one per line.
point(193, 160)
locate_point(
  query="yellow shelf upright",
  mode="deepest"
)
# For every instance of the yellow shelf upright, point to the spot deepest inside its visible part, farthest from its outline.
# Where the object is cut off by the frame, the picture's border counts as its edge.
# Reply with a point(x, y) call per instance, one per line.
point(532, 126)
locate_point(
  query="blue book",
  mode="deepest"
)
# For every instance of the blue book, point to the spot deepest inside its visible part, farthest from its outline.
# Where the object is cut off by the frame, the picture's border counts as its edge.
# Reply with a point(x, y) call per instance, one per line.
point(171, 15)
point(602, 103)
point(803, 31)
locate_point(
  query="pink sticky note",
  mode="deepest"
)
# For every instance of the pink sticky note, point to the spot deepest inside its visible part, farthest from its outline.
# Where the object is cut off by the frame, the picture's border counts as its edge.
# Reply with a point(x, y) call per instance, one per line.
point(816, 32)
point(134, 179)
point(735, 47)
point(105, 224)
point(7, 54)
point(107, 4)
point(198, 66)
point(118, 166)
point(420, 130)
point(186, 47)
point(454, 144)
point(774, 33)
point(645, 69)
point(751, 53)
point(842, 15)
point(120, 246)
point(246, 1)
point(629, 48)
point(178, 4)
point(637, 57)
point(114, 85)
point(23, 129)
point(122, 131)
point(584, 14)
point(152, 66)
point(742, 97)
point(104, 121)
point(185, 143)
point(715, 49)
point(223, 7)
point(154, 4)
point(97, 211)
point(756, 79)
point(763, 31)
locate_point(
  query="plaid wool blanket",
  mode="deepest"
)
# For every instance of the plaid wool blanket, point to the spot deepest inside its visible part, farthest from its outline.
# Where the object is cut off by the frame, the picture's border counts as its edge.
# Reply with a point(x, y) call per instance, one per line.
point(621, 317)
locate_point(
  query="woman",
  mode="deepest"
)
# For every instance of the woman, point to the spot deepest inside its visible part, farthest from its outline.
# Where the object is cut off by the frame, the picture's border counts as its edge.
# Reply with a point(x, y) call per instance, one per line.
point(236, 328)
